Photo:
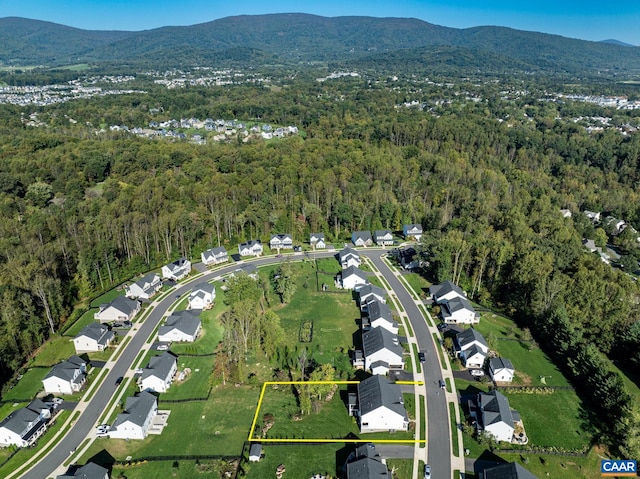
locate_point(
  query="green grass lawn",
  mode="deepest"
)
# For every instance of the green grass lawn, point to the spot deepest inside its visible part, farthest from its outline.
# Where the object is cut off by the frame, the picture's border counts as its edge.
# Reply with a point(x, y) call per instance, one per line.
point(53, 351)
point(196, 383)
point(174, 469)
point(107, 297)
point(402, 468)
point(218, 426)
point(85, 319)
point(28, 386)
point(419, 284)
point(302, 461)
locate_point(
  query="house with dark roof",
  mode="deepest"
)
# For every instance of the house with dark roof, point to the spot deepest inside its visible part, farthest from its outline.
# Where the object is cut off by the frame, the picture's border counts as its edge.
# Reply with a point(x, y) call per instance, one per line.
point(249, 269)
point(380, 406)
point(379, 316)
point(351, 277)
point(281, 241)
point(66, 377)
point(458, 311)
point(177, 270)
point(24, 426)
point(412, 231)
point(250, 248)
point(501, 370)
point(494, 416)
point(361, 238)
point(145, 288)
point(366, 463)
point(93, 337)
point(349, 257)
point(255, 452)
point(317, 241)
point(180, 326)
point(90, 470)
point(214, 256)
point(509, 470)
point(382, 351)
point(119, 309)
point(158, 374)
point(446, 291)
point(202, 296)
point(471, 348)
point(136, 419)
point(383, 237)
point(368, 293)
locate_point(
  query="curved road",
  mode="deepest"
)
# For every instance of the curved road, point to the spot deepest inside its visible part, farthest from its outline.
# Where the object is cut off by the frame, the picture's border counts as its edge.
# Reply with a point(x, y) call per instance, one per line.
point(437, 412)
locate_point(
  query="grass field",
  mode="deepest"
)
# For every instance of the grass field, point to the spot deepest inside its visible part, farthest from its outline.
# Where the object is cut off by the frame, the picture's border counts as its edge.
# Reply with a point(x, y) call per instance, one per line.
point(53, 351)
point(85, 319)
point(28, 386)
point(402, 468)
point(196, 383)
point(419, 284)
point(301, 461)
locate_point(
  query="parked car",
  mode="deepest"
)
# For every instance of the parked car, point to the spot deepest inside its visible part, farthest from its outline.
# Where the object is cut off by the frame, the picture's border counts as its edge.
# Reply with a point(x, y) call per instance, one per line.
point(119, 380)
point(421, 356)
point(116, 325)
point(477, 373)
point(163, 347)
point(442, 326)
point(102, 430)
point(441, 383)
point(427, 471)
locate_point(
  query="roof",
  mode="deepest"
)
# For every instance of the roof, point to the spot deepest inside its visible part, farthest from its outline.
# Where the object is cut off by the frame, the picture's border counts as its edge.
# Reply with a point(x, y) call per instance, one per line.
point(89, 471)
point(136, 409)
point(19, 420)
point(500, 363)
point(159, 366)
point(66, 369)
point(511, 470)
point(317, 236)
point(413, 226)
point(37, 405)
point(377, 339)
point(97, 332)
point(281, 236)
point(353, 270)
point(255, 450)
point(147, 278)
point(217, 251)
point(378, 233)
point(203, 287)
point(178, 264)
point(367, 468)
point(122, 304)
point(184, 321)
point(495, 408)
point(377, 391)
point(347, 252)
point(379, 310)
point(364, 235)
point(457, 304)
point(371, 289)
point(249, 244)
point(468, 337)
point(439, 290)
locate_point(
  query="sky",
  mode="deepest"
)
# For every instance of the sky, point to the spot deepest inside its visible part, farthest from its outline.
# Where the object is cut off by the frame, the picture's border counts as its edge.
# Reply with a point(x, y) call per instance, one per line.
point(583, 19)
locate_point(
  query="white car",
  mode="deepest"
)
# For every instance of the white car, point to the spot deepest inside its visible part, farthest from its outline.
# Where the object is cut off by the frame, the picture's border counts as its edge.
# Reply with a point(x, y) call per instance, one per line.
point(478, 373)
point(163, 347)
point(102, 430)
point(427, 471)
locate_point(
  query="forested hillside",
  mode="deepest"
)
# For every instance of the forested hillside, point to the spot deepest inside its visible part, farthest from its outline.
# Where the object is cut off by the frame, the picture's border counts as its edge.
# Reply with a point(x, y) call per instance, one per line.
point(85, 208)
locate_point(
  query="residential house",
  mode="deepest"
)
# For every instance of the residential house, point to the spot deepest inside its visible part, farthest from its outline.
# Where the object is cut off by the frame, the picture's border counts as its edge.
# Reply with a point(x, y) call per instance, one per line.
point(145, 287)
point(349, 257)
point(613, 225)
point(446, 291)
point(352, 277)
point(501, 370)
point(250, 248)
point(249, 269)
point(24, 426)
point(202, 296)
point(90, 470)
point(92, 338)
point(382, 351)
point(158, 374)
point(255, 452)
point(565, 213)
point(413, 231)
point(361, 238)
point(408, 258)
point(383, 237)
point(379, 316)
point(119, 309)
point(317, 241)
point(471, 348)
point(380, 406)
point(135, 421)
point(215, 255)
point(368, 293)
point(593, 216)
point(509, 470)
point(366, 463)
point(176, 270)
point(66, 377)
point(494, 416)
point(281, 241)
point(181, 326)
point(458, 311)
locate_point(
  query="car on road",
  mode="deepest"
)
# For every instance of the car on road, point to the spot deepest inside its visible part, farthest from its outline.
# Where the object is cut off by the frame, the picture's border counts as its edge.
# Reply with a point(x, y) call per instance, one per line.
point(427, 471)
point(442, 326)
point(421, 356)
point(476, 373)
point(441, 383)
point(119, 380)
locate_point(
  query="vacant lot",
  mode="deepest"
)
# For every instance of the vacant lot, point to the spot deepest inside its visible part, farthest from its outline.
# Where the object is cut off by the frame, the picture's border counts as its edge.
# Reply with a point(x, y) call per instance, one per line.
point(195, 384)
point(28, 386)
point(301, 461)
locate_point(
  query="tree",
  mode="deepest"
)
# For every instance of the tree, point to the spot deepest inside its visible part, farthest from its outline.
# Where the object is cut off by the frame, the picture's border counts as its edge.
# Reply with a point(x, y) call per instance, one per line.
point(284, 282)
point(272, 335)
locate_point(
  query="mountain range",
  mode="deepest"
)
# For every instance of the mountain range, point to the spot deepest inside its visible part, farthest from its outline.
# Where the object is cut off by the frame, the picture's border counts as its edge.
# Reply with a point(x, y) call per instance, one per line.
point(297, 39)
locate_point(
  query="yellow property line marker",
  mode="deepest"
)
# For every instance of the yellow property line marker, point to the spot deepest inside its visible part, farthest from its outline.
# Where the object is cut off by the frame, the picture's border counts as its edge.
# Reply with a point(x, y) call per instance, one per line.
point(323, 440)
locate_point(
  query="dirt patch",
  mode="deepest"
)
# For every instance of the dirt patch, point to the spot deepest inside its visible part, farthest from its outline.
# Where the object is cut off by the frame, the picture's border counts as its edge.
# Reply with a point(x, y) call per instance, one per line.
point(524, 378)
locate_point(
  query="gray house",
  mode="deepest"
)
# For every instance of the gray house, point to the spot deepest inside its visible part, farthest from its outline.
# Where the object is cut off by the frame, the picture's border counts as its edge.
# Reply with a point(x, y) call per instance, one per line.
point(510, 470)
point(382, 351)
point(119, 309)
point(135, 421)
point(89, 471)
point(380, 406)
point(158, 374)
point(366, 463)
point(361, 238)
point(215, 255)
point(23, 427)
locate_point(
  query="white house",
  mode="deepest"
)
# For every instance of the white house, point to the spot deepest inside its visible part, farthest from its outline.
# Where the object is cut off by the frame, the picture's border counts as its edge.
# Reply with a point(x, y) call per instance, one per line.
point(317, 241)
point(215, 255)
point(446, 291)
point(368, 293)
point(281, 241)
point(494, 416)
point(250, 248)
point(93, 337)
point(249, 269)
point(412, 231)
point(471, 348)
point(119, 309)
point(352, 277)
point(348, 257)
point(379, 316)
point(202, 296)
point(501, 370)
point(135, 421)
point(158, 374)
point(24, 426)
point(380, 406)
point(181, 326)
point(145, 287)
point(66, 377)
point(177, 270)
point(458, 311)
point(90, 470)
point(594, 216)
point(361, 238)
point(382, 351)
point(383, 237)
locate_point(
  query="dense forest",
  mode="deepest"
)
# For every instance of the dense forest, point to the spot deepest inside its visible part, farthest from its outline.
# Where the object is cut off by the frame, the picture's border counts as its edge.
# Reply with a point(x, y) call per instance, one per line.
point(85, 208)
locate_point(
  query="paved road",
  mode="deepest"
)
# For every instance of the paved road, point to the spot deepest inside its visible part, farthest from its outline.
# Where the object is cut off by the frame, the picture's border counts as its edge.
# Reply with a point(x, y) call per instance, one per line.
point(438, 435)
point(107, 389)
